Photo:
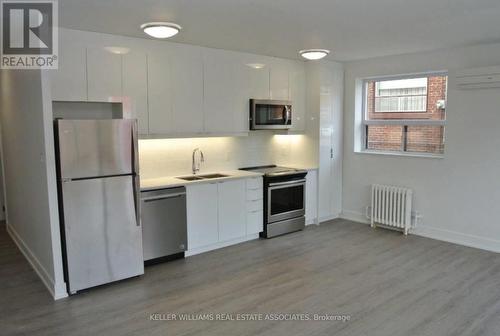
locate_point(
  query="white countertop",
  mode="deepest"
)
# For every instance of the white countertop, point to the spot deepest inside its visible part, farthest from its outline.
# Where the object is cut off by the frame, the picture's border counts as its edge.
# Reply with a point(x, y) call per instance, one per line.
point(302, 167)
point(172, 181)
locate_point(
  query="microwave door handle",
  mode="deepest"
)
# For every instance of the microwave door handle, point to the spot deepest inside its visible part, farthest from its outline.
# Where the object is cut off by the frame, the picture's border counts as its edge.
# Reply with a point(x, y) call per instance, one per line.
point(287, 114)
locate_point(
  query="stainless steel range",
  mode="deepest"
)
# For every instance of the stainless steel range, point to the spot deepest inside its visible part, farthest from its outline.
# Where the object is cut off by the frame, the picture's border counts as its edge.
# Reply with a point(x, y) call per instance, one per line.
point(284, 199)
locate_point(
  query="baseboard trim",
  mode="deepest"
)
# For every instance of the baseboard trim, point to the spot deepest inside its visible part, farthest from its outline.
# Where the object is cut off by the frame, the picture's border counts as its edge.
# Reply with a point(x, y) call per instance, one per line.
point(328, 218)
point(354, 216)
point(217, 246)
point(458, 238)
point(57, 291)
point(311, 221)
point(436, 233)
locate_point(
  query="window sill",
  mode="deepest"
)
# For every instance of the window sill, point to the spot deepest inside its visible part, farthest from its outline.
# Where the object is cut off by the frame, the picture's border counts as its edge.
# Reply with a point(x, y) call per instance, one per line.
point(403, 154)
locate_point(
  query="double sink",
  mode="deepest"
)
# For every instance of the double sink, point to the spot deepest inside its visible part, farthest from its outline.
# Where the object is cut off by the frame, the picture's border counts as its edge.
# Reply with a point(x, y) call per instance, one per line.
point(201, 177)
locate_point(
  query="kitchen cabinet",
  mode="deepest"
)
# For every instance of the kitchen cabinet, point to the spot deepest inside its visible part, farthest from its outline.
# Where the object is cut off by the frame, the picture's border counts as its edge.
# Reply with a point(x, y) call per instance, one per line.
point(231, 79)
point(187, 89)
point(220, 82)
point(297, 76)
point(160, 92)
point(175, 89)
point(253, 83)
point(255, 205)
point(325, 102)
point(104, 75)
point(135, 92)
point(69, 81)
point(231, 205)
point(223, 213)
point(279, 80)
point(312, 197)
point(202, 214)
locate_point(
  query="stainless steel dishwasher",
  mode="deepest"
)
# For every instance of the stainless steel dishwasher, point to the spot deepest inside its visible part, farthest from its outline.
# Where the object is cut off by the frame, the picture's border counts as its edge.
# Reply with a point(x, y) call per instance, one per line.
point(164, 224)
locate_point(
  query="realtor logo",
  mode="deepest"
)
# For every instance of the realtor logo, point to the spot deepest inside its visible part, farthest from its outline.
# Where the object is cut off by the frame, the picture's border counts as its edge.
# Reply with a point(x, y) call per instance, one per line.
point(29, 34)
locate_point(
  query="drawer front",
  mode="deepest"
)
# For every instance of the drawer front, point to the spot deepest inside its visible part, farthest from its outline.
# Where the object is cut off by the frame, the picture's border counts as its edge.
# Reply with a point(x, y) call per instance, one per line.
point(254, 183)
point(255, 205)
point(255, 194)
point(255, 222)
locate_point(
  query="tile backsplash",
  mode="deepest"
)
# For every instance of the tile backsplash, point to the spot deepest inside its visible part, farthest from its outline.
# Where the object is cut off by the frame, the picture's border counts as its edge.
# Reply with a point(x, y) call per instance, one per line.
point(169, 157)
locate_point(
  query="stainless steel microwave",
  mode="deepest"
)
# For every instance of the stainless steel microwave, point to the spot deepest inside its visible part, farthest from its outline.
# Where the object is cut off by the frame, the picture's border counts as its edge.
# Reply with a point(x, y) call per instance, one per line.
point(270, 114)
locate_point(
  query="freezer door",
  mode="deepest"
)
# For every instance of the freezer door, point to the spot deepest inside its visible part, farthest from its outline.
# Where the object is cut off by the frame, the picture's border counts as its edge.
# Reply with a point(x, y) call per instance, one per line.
point(91, 148)
point(102, 236)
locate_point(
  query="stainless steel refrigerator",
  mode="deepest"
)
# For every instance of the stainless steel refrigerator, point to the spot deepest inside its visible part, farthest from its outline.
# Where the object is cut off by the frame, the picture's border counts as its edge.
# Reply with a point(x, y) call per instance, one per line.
point(98, 176)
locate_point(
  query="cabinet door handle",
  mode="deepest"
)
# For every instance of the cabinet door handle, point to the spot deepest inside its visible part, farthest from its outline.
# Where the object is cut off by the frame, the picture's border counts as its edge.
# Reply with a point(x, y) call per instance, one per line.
point(160, 197)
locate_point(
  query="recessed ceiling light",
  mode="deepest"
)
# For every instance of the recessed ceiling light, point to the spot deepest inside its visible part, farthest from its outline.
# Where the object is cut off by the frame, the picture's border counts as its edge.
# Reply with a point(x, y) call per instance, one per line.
point(161, 30)
point(256, 65)
point(117, 50)
point(314, 54)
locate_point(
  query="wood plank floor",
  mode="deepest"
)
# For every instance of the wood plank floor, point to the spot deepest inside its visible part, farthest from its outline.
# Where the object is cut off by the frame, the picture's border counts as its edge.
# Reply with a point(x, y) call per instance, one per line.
point(389, 285)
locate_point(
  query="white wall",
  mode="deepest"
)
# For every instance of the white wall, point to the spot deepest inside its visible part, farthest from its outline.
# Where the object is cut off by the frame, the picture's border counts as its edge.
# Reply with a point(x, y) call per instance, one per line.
point(458, 195)
point(167, 157)
point(30, 182)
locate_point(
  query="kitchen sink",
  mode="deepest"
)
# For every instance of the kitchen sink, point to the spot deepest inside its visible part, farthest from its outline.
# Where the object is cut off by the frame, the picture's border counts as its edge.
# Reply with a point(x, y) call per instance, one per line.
point(201, 177)
point(211, 176)
point(190, 178)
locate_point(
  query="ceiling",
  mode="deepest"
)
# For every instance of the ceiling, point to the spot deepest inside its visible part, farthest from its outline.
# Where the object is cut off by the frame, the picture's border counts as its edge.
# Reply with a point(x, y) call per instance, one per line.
point(352, 29)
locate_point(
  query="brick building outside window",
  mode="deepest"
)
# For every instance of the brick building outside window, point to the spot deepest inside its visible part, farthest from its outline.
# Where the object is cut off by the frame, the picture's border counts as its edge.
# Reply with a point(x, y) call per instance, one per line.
point(406, 115)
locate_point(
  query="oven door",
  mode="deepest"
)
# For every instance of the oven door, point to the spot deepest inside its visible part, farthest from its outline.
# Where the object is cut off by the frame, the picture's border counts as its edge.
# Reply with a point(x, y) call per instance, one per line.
point(285, 200)
point(270, 114)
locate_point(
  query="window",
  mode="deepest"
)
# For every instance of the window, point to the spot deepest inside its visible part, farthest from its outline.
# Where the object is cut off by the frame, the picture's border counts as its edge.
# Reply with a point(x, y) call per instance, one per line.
point(405, 114)
point(404, 95)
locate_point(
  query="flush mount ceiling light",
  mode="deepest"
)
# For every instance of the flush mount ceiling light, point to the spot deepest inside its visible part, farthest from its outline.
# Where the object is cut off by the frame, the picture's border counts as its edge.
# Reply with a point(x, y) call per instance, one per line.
point(161, 30)
point(314, 54)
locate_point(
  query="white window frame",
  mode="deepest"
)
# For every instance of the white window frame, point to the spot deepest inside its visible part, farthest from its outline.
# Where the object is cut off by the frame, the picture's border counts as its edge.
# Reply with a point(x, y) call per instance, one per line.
point(398, 122)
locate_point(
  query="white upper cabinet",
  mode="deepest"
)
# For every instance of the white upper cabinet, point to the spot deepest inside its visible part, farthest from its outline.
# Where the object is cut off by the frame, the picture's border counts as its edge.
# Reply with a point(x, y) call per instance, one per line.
point(187, 89)
point(231, 79)
point(160, 92)
point(220, 80)
point(253, 83)
point(135, 89)
point(104, 75)
point(69, 82)
point(297, 76)
point(232, 206)
point(175, 89)
point(279, 80)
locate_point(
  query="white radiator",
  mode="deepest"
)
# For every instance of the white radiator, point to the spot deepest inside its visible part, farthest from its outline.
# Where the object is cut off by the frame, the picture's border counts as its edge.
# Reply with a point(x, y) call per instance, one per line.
point(391, 207)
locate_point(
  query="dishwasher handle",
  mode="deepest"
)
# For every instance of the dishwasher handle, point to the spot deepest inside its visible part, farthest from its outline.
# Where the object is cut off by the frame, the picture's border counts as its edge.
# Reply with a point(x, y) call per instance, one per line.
point(161, 197)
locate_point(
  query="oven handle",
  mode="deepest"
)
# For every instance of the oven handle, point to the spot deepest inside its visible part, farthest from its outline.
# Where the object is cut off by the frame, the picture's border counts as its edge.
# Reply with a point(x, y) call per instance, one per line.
point(287, 182)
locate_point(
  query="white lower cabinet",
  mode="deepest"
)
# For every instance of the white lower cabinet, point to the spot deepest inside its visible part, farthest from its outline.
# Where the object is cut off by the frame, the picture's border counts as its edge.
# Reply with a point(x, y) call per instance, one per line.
point(255, 221)
point(221, 214)
point(232, 201)
point(202, 215)
point(312, 197)
point(255, 205)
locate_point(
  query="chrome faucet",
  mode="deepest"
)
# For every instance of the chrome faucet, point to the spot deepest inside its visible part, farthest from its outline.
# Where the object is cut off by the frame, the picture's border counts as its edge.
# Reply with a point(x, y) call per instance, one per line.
point(196, 165)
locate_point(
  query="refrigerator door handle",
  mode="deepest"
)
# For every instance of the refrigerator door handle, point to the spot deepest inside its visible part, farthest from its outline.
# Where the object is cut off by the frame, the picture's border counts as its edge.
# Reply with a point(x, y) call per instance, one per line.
point(135, 151)
point(135, 166)
point(137, 204)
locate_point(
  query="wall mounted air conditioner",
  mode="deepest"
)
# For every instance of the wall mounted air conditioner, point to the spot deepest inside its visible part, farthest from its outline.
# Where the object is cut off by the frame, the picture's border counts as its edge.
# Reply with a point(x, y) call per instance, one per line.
point(479, 78)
